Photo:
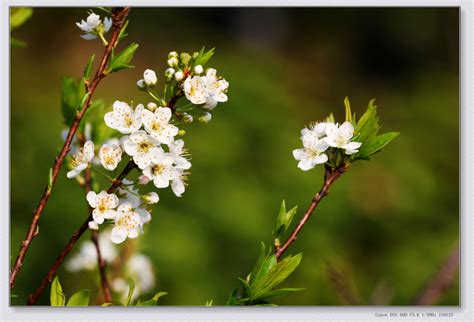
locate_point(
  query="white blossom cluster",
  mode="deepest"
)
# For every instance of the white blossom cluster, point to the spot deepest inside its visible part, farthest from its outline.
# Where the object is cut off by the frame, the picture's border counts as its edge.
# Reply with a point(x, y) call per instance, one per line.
point(138, 266)
point(93, 26)
point(319, 137)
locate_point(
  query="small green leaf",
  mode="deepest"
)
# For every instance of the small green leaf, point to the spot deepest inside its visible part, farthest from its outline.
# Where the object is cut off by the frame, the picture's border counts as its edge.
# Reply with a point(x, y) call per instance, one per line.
point(284, 220)
point(121, 61)
point(368, 125)
point(57, 297)
point(88, 69)
point(376, 144)
point(130, 292)
point(203, 57)
point(330, 118)
point(80, 298)
point(209, 302)
point(72, 93)
point(279, 292)
point(245, 287)
point(232, 300)
point(276, 275)
point(122, 33)
point(153, 301)
point(258, 264)
point(266, 266)
point(18, 16)
point(347, 104)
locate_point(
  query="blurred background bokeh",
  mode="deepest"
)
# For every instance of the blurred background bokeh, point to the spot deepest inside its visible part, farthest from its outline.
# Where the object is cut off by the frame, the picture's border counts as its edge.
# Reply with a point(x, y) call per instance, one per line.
point(387, 225)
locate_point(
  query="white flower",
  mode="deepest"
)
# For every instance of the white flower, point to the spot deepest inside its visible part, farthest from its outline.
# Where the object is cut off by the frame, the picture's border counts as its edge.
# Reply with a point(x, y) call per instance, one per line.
point(142, 147)
point(161, 170)
point(128, 223)
point(150, 77)
point(141, 84)
point(312, 153)
point(178, 183)
point(110, 156)
point(157, 124)
point(216, 88)
point(340, 137)
point(198, 69)
point(93, 225)
point(123, 118)
point(179, 153)
point(93, 26)
point(195, 89)
point(81, 159)
point(104, 205)
point(86, 258)
point(179, 75)
point(151, 198)
point(173, 54)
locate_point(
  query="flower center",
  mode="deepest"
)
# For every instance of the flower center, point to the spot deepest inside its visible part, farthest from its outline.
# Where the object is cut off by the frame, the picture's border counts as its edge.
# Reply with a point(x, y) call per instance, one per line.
point(157, 169)
point(156, 126)
point(340, 141)
point(128, 221)
point(144, 147)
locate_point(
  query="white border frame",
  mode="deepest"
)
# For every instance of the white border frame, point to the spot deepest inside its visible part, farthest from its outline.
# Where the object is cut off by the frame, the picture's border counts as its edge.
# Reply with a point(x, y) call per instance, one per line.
point(369, 313)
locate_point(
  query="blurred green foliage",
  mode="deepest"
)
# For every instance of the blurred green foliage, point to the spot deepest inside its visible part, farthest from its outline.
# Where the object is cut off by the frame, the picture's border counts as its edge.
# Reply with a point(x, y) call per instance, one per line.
point(386, 226)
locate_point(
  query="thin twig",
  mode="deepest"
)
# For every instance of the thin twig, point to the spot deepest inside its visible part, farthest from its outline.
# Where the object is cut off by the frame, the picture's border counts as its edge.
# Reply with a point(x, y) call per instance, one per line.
point(329, 177)
point(95, 240)
point(442, 280)
point(119, 17)
point(75, 237)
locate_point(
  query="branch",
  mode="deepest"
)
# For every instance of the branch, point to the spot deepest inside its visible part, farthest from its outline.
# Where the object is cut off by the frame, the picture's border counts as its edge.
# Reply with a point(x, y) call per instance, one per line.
point(119, 17)
point(442, 281)
point(75, 237)
point(329, 177)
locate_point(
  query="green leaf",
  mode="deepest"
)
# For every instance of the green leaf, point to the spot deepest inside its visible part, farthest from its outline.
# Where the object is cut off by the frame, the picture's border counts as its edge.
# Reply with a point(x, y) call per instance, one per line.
point(209, 302)
point(130, 292)
point(368, 125)
point(279, 292)
point(122, 33)
point(330, 118)
point(72, 93)
point(80, 298)
point(284, 220)
point(153, 301)
point(245, 287)
point(17, 43)
point(232, 300)
point(258, 264)
point(276, 275)
point(347, 104)
point(376, 144)
point(266, 266)
point(57, 297)
point(88, 69)
point(18, 16)
point(203, 57)
point(121, 61)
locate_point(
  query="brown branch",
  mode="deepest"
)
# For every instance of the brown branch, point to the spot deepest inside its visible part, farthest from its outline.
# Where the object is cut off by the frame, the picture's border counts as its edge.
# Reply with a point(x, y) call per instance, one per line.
point(329, 177)
point(442, 280)
point(75, 237)
point(118, 16)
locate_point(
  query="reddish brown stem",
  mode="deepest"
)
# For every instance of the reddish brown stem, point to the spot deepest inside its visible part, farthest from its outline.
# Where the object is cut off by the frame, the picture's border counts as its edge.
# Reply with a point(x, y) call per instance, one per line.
point(442, 281)
point(118, 16)
point(75, 237)
point(330, 176)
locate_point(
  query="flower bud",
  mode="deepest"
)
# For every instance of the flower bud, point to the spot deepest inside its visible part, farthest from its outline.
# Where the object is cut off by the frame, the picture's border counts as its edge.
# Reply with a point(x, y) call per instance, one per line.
point(149, 77)
point(173, 61)
point(179, 75)
point(198, 69)
point(151, 198)
point(181, 132)
point(195, 54)
point(187, 118)
point(173, 54)
point(93, 225)
point(143, 180)
point(169, 73)
point(141, 85)
point(152, 106)
point(185, 58)
point(206, 118)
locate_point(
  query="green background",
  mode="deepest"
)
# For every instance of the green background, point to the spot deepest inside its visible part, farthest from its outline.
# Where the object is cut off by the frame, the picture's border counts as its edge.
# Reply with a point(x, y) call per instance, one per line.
point(386, 226)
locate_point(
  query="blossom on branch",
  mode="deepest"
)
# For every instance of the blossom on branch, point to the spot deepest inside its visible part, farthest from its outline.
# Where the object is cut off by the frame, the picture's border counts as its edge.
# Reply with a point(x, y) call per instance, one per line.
point(93, 26)
point(123, 118)
point(81, 159)
point(340, 137)
point(104, 205)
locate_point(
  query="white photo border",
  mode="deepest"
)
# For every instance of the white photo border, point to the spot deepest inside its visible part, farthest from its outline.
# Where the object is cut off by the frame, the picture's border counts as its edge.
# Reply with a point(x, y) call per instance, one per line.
point(297, 313)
